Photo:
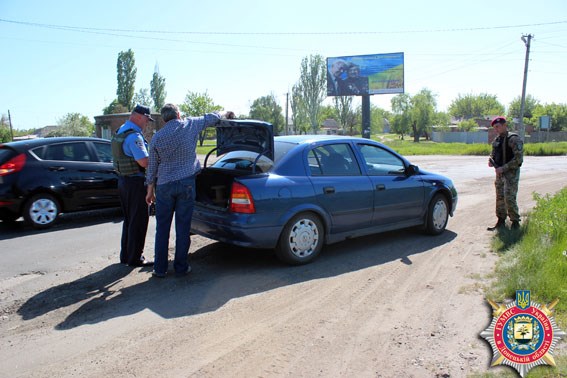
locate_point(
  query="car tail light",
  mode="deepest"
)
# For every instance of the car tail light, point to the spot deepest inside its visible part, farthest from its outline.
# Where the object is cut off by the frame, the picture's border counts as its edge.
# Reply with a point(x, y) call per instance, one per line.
point(13, 165)
point(241, 200)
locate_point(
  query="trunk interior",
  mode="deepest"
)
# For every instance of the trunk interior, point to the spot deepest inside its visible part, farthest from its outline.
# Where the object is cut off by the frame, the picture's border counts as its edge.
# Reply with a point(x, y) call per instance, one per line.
point(213, 187)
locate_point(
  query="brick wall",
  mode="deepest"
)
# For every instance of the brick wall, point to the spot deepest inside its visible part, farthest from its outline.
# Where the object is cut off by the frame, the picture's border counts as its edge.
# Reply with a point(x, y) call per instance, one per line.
point(106, 125)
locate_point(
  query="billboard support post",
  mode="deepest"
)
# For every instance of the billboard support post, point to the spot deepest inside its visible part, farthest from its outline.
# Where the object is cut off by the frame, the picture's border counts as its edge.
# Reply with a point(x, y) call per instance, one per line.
point(366, 116)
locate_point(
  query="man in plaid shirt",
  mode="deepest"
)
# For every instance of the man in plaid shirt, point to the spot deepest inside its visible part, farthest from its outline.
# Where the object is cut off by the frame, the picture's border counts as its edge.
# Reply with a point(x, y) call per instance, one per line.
point(170, 177)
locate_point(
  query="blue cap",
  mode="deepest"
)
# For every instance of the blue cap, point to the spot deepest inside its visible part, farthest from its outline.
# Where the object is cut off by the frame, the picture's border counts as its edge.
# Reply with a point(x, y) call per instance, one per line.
point(143, 110)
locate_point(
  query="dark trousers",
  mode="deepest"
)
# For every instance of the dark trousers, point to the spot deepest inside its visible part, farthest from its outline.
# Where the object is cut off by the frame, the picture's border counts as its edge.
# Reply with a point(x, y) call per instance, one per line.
point(133, 199)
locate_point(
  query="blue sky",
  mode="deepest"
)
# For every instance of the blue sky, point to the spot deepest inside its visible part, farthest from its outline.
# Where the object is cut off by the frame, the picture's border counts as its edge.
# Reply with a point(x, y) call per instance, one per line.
point(59, 57)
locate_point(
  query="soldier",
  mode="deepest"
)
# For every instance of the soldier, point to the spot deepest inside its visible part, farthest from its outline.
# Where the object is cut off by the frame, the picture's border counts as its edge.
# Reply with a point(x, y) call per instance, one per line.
point(506, 159)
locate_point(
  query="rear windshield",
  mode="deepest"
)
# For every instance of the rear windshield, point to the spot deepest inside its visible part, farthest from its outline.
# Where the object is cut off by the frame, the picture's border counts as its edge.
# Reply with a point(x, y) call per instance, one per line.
point(244, 160)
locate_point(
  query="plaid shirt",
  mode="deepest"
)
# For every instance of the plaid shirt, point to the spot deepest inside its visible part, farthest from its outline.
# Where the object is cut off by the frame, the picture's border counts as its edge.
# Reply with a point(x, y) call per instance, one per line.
point(173, 149)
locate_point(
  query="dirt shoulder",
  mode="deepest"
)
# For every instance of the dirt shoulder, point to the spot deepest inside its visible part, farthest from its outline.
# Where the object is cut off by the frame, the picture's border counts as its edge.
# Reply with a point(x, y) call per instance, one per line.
point(399, 304)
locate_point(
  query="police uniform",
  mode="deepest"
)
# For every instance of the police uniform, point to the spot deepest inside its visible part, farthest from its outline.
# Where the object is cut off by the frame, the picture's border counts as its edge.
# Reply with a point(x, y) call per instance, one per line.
point(507, 153)
point(129, 145)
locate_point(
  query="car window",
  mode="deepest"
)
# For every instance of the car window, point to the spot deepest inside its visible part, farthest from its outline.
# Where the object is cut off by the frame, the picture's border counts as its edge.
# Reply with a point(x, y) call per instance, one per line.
point(380, 162)
point(333, 160)
point(104, 151)
point(75, 151)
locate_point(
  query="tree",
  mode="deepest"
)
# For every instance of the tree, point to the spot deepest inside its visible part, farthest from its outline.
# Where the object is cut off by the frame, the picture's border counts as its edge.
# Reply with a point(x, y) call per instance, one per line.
point(516, 106)
point(5, 133)
point(299, 118)
point(267, 109)
point(378, 117)
point(73, 124)
point(467, 125)
point(346, 113)
point(143, 97)
point(422, 113)
point(197, 104)
point(158, 92)
point(327, 112)
point(557, 112)
point(401, 122)
point(126, 77)
point(115, 108)
point(313, 87)
point(475, 106)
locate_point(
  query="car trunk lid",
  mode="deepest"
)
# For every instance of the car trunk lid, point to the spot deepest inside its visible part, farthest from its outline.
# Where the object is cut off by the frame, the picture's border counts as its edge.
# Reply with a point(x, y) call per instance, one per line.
point(244, 135)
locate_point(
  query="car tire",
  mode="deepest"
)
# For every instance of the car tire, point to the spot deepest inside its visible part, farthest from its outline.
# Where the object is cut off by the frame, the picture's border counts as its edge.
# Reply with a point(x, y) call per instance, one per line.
point(301, 240)
point(41, 211)
point(437, 215)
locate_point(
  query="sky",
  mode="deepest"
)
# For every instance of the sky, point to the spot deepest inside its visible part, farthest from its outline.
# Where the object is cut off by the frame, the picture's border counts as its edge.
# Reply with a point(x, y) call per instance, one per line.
point(59, 57)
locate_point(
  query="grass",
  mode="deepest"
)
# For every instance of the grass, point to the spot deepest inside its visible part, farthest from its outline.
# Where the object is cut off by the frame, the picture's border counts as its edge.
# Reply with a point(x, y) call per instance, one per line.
point(535, 258)
point(408, 147)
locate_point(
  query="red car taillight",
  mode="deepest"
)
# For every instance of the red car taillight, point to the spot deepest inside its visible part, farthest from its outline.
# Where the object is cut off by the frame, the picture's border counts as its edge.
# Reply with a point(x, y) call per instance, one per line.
point(241, 200)
point(13, 165)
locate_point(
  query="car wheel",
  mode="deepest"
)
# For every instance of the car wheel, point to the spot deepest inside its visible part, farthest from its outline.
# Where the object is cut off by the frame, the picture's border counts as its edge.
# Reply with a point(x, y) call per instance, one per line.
point(437, 215)
point(41, 211)
point(301, 240)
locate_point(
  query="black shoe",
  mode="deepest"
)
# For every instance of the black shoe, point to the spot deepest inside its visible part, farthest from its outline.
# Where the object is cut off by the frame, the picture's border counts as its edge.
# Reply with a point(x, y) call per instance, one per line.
point(515, 225)
point(158, 275)
point(142, 262)
point(500, 224)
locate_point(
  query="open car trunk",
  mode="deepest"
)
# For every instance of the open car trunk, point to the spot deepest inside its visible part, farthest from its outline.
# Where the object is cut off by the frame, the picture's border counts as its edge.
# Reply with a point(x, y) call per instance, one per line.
point(256, 138)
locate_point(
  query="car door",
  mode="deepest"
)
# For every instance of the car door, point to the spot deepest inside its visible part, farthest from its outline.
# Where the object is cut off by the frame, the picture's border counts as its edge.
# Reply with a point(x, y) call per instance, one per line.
point(78, 176)
point(397, 196)
point(340, 188)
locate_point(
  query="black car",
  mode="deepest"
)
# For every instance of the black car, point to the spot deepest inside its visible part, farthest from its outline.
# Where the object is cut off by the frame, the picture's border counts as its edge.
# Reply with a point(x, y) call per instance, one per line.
point(42, 178)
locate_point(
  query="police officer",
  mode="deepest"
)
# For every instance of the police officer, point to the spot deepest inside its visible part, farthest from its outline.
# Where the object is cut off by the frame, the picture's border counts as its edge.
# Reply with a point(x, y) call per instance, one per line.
point(130, 158)
point(506, 159)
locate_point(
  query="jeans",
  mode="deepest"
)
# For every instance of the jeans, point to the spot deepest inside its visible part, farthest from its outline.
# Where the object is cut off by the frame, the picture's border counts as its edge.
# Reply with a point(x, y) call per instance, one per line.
point(176, 197)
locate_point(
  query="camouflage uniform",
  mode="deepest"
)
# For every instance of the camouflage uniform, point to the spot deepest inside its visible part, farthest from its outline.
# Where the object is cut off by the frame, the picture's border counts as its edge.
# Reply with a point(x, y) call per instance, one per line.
point(507, 152)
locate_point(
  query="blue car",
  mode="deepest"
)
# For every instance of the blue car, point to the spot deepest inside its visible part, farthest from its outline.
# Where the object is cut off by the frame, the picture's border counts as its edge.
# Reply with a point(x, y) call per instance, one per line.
point(297, 193)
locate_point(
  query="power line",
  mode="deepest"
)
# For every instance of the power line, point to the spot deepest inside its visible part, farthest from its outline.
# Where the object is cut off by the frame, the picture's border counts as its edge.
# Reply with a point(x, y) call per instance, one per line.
point(90, 29)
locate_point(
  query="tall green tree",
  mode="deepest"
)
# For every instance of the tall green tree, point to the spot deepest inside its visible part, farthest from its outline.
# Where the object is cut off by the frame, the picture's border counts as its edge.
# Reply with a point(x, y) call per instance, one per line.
point(475, 106)
point(126, 77)
point(299, 118)
point(73, 124)
point(422, 113)
point(157, 87)
point(378, 117)
point(401, 121)
point(142, 97)
point(197, 104)
point(312, 85)
point(267, 109)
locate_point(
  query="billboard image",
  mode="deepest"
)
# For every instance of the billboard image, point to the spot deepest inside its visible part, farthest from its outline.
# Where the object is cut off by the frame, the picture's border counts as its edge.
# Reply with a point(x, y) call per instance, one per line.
point(365, 74)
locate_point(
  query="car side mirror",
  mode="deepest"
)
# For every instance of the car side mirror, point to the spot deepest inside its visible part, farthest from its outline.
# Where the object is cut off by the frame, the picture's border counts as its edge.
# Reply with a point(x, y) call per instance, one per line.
point(412, 170)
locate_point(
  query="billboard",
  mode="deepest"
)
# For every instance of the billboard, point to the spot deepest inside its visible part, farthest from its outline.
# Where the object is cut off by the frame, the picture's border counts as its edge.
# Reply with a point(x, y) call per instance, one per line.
point(365, 74)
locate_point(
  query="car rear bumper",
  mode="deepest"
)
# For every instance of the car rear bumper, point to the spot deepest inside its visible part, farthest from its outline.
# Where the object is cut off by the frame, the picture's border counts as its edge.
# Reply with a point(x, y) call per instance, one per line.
point(240, 233)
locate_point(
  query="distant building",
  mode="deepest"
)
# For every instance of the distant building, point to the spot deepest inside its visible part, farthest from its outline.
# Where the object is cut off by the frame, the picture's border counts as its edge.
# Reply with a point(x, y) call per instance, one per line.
point(330, 126)
point(106, 125)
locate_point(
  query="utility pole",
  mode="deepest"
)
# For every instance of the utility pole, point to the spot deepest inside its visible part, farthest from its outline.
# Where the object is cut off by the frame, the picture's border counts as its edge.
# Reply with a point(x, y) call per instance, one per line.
point(286, 112)
point(11, 129)
point(526, 39)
